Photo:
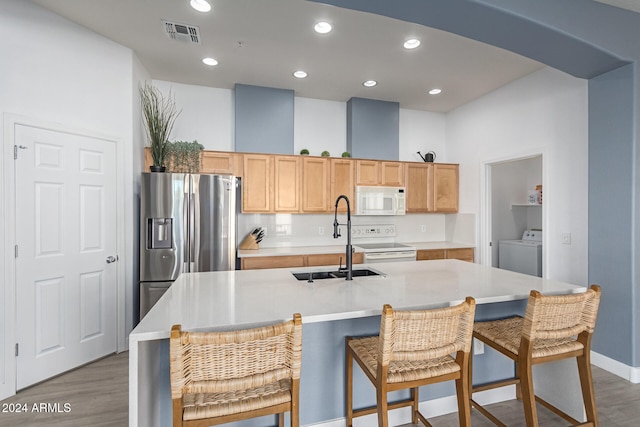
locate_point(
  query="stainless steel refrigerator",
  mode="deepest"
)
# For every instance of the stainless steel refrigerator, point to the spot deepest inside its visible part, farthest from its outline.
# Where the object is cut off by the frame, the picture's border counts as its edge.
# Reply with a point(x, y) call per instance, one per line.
point(188, 223)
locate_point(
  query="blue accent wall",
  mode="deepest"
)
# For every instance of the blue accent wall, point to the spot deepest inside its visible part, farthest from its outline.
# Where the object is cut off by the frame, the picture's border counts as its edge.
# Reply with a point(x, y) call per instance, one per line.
point(263, 119)
point(373, 129)
point(611, 198)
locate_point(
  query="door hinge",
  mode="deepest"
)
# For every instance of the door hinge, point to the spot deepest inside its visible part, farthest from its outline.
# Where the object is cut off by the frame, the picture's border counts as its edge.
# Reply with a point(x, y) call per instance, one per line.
point(15, 150)
point(15, 251)
point(17, 349)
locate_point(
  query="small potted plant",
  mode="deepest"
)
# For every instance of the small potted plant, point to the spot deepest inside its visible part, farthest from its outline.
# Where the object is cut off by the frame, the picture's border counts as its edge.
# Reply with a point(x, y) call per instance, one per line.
point(346, 154)
point(304, 152)
point(325, 153)
point(159, 114)
point(184, 156)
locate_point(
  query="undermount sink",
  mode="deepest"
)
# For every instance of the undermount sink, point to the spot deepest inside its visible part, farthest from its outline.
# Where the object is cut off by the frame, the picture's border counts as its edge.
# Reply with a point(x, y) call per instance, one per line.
point(334, 274)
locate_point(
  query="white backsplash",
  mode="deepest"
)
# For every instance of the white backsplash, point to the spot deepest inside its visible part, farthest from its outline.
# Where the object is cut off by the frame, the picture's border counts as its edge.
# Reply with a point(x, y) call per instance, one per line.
point(317, 230)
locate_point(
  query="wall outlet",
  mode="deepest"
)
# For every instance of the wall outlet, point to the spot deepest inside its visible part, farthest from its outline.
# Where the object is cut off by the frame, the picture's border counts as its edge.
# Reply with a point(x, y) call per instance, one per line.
point(321, 230)
point(566, 238)
point(423, 228)
point(478, 347)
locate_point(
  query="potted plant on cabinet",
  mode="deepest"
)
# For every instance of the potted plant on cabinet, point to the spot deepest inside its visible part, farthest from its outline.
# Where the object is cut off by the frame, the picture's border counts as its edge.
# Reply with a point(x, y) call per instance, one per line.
point(159, 114)
point(184, 156)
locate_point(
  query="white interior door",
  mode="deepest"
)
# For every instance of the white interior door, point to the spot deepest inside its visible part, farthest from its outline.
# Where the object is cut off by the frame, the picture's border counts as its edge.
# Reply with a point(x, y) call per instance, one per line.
point(66, 284)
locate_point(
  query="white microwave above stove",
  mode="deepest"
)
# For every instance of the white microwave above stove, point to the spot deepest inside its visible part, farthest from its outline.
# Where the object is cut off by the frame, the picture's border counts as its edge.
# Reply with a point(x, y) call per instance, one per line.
point(380, 200)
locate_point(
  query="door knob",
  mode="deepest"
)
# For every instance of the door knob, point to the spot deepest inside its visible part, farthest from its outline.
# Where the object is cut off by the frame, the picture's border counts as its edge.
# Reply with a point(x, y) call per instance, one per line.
point(111, 259)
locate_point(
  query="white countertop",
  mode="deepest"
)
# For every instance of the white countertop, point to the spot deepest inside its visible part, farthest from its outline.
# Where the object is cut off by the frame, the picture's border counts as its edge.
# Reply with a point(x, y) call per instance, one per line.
point(335, 249)
point(234, 299)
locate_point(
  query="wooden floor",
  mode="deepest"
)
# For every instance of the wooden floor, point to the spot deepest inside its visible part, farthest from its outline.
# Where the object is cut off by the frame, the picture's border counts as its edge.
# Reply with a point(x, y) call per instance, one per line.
point(97, 395)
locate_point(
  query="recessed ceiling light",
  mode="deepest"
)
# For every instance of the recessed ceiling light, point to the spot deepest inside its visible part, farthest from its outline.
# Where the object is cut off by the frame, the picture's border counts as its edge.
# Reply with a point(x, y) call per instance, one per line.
point(370, 83)
point(299, 74)
point(210, 61)
point(200, 5)
point(411, 44)
point(435, 91)
point(322, 27)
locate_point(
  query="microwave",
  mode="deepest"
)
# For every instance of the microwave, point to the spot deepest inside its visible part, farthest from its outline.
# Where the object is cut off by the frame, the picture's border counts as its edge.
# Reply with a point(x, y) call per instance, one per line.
point(380, 200)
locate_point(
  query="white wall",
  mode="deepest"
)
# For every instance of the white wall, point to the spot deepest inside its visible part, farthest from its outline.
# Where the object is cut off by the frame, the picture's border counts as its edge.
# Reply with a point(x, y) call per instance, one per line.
point(207, 114)
point(543, 113)
point(59, 72)
point(422, 131)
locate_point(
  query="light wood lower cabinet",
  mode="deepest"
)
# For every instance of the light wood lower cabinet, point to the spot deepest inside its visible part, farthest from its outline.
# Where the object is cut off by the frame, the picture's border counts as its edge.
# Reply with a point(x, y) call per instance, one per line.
point(464, 254)
point(254, 263)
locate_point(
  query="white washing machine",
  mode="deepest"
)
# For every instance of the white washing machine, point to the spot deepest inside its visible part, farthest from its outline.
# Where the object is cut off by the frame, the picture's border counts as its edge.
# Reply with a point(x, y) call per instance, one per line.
point(522, 256)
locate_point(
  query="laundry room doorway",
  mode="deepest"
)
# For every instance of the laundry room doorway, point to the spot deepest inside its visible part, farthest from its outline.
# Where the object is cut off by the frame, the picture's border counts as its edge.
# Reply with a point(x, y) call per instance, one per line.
point(514, 197)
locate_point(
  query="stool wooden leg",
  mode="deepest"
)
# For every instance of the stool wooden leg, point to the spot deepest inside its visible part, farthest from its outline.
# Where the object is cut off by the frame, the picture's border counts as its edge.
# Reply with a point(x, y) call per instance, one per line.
point(414, 407)
point(526, 384)
point(586, 380)
point(349, 381)
point(463, 387)
point(383, 415)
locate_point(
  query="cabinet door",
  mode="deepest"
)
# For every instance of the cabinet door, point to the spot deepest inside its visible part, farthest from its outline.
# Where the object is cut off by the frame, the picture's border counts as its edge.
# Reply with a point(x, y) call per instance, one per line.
point(221, 162)
point(332, 259)
point(257, 189)
point(392, 174)
point(315, 184)
point(342, 182)
point(254, 263)
point(445, 188)
point(286, 184)
point(367, 172)
point(464, 254)
point(419, 184)
point(429, 254)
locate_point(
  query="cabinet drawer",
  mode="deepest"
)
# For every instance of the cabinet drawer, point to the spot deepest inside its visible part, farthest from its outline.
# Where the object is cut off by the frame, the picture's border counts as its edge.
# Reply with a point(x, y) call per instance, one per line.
point(253, 263)
point(464, 254)
point(425, 255)
point(332, 259)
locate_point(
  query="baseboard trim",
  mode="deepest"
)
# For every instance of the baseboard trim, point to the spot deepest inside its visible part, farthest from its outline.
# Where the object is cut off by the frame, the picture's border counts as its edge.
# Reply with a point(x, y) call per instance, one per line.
point(626, 372)
point(430, 408)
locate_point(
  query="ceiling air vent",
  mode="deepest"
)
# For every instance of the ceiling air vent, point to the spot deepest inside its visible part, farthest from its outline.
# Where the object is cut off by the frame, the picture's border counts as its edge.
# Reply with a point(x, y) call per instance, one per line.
point(182, 32)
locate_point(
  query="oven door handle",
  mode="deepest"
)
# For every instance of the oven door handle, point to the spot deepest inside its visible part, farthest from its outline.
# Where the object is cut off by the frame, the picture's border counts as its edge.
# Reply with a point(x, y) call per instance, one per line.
point(391, 255)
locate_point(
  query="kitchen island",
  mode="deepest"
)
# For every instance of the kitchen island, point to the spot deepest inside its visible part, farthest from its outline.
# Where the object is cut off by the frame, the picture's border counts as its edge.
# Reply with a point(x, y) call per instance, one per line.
point(332, 309)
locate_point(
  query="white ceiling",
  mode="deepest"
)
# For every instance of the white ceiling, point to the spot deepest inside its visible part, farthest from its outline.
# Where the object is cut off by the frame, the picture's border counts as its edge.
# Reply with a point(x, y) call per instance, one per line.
point(261, 42)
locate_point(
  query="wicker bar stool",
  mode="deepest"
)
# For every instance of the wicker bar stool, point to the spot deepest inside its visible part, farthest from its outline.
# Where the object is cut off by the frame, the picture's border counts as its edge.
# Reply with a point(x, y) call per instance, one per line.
point(414, 349)
point(554, 328)
point(220, 377)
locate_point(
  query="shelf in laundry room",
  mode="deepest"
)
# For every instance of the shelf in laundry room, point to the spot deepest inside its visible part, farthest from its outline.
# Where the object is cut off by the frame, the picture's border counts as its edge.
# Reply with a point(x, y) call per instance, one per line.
point(525, 205)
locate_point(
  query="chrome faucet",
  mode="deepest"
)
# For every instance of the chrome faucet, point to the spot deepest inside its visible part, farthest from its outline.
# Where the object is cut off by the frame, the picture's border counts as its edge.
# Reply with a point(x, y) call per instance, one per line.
point(336, 234)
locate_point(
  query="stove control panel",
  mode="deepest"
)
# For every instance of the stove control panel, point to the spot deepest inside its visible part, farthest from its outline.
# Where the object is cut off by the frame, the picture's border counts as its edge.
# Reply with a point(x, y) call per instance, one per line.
point(388, 230)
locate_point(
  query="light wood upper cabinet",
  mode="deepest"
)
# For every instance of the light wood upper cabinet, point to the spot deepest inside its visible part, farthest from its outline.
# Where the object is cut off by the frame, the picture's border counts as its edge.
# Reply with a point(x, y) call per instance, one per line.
point(286, 184)
point(315, 185)
point(367, 172)
point(342, 182)
point(392, 174)
point(221, 162)
point(257, 183)
point(419, 182)
point(445, 187)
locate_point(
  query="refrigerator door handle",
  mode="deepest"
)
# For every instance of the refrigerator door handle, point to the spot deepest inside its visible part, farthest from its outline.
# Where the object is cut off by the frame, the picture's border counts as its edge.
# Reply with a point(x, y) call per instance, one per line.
point(186, 229)
point(194, 238)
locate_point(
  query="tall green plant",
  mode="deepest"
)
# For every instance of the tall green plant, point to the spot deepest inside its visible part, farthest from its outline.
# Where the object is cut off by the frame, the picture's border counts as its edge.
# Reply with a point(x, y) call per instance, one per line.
point(159, 113)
